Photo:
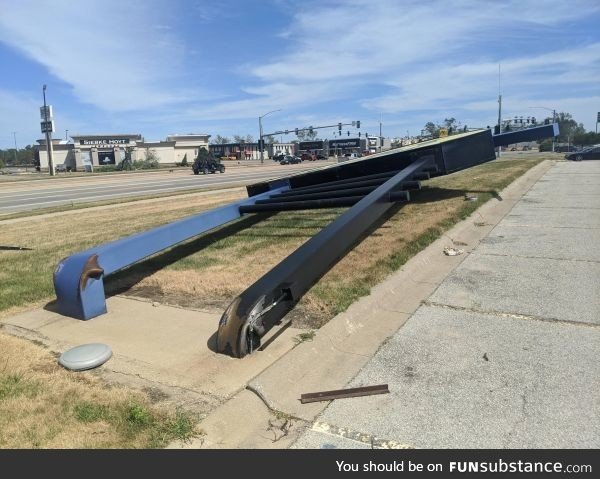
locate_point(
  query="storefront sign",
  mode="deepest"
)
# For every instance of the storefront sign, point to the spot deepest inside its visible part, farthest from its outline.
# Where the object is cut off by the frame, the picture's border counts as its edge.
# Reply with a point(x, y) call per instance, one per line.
point(351, 143)
point(310, 145)
point(105, 141)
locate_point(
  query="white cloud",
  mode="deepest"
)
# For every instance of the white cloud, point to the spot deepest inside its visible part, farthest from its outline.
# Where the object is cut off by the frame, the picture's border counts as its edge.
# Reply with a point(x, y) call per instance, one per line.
point(403, 58)
point(115, 55)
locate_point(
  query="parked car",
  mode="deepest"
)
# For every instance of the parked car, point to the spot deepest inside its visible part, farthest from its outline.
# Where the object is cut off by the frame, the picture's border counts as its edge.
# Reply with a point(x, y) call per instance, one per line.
point(591, 153)
point(308, 157)
point(290, 160)
point(278, 157)
point(321, 157)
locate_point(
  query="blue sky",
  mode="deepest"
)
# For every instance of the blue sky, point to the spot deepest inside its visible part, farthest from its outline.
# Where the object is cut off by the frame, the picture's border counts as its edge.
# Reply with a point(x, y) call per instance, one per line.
point(158, 67)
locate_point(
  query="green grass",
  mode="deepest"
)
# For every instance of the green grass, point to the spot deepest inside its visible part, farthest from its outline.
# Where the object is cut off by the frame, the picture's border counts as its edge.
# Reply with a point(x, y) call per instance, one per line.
point(133, 419)
point(16, 385)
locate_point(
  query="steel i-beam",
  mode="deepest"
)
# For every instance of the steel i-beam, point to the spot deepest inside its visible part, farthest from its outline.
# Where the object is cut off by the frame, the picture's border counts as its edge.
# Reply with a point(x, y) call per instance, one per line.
point(254, 312)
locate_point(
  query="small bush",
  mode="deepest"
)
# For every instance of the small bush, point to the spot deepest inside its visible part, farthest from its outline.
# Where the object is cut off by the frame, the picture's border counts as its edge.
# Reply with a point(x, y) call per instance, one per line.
point(146, 164)
point(138, 415)
point(105, 168)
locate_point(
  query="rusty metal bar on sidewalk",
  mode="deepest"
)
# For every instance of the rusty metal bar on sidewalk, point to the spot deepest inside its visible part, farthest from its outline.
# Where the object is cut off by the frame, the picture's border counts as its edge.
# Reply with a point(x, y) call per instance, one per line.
point(344, 393)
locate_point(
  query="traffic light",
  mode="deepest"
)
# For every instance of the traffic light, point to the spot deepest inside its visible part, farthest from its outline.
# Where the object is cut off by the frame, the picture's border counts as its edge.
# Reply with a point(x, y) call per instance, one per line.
point(340, 128)
point(348, 133)
point(358, 124)
point(310, 130)
point(296, 130)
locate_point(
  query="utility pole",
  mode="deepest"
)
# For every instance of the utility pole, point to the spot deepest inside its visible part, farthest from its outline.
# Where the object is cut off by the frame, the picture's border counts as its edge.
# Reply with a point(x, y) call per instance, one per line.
point(380, 136)
point(553, 121)
point(260, 137)
point(553, 110)
point(48, 138)
point(15, 135)
point(499, 108)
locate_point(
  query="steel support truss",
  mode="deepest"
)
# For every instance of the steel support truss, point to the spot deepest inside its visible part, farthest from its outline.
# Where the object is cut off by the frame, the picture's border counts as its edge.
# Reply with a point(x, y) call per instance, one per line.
point(254, 312)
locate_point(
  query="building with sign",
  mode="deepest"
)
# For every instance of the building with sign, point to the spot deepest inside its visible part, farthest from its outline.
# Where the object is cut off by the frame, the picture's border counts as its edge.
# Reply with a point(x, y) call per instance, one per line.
point(342, 146)
point(250, 151)
point(88, 151)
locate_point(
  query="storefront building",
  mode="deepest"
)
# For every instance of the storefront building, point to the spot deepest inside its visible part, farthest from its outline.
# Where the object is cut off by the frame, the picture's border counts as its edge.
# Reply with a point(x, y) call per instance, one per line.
point(250, 151)
point(88, 151)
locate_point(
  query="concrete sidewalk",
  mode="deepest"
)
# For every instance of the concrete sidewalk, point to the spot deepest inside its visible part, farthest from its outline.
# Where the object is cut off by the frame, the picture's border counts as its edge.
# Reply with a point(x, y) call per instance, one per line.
point(504, 354)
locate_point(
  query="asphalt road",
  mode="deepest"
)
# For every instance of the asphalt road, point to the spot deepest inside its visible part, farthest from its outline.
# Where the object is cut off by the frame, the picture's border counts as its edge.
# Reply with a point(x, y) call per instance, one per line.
point(16, 196)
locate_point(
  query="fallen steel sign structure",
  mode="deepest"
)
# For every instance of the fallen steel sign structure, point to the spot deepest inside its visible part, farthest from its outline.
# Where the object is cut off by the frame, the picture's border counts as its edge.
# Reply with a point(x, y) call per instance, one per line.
point(79, 278)
point(369, 187)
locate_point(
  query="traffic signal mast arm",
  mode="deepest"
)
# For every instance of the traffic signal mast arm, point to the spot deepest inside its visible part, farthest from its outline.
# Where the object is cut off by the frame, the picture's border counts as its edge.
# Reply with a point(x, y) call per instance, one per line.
point(297, 130)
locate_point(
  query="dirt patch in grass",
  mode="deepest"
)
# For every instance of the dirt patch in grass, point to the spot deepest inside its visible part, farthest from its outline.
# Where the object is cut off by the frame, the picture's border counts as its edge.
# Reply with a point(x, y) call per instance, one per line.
point(209, 272)
point(45, 406)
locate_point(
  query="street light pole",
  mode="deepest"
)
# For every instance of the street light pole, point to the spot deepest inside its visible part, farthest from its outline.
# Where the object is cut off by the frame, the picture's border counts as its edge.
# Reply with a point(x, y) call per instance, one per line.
point(15, 135)
point(553, 110)
point(48, 137)
point(260, 131)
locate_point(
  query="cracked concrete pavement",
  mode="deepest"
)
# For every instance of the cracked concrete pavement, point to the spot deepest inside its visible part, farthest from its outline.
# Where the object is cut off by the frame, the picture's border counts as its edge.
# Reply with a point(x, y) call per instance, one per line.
point(504, 353)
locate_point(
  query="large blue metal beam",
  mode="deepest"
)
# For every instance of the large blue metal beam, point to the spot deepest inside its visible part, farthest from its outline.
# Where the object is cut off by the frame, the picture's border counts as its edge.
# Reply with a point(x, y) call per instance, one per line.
point(529, 134)
point(79, 278)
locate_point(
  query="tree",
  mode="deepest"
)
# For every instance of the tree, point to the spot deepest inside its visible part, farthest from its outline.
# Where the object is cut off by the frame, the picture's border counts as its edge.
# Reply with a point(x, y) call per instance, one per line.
point(24, 156)
point(238, 139)
point(126, 164)
point(568, 127)
point(204, 155)
point(270, 139)
point(151, 160)
point(583, 139)
point(432, 129)
point(220, 140)
point(451, 124)
point(307, 134)
point(249, 138)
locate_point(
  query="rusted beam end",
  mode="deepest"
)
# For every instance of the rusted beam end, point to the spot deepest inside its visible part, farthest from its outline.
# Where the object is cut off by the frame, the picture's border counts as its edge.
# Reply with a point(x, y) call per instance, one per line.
point(79, 286)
